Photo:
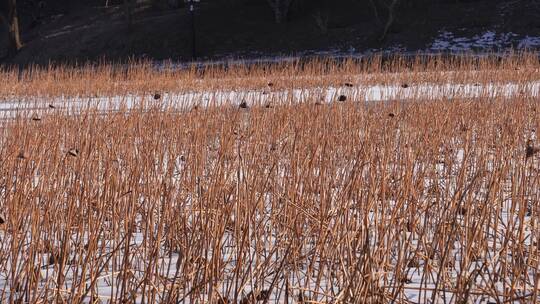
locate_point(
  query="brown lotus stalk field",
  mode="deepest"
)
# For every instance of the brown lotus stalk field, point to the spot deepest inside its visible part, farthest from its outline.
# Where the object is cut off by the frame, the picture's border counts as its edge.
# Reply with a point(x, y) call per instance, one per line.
point(105, 79)
point(399, 201)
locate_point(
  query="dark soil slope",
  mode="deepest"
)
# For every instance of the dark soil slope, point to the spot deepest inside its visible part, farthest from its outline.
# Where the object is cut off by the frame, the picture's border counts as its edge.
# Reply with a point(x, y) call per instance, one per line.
point(65, 30)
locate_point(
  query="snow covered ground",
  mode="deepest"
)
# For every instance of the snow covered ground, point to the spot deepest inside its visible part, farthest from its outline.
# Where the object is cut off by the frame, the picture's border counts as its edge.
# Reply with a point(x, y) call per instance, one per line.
point(418, 288)
point(448, 41)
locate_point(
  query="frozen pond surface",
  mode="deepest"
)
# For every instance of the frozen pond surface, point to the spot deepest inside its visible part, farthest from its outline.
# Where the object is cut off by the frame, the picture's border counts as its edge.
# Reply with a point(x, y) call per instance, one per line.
point(10, 107)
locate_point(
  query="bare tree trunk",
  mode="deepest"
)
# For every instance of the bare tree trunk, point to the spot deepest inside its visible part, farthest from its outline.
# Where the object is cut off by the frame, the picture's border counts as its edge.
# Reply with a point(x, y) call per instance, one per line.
point(280, 8)
point(375, 12)
point(390, 6)
point(390, 20)
point(15, 43)
point(128, 4)
point(160, 4)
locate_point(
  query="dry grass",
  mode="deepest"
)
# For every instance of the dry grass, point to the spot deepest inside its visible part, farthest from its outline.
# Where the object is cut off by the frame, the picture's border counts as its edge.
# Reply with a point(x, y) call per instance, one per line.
point(343, 203)
point(143, 77)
